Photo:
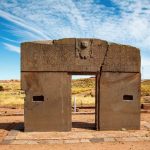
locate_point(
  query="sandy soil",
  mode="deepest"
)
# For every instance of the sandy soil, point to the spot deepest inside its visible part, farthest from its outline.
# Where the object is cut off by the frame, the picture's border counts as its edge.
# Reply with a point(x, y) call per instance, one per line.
point(8, 122)
point(89, 146)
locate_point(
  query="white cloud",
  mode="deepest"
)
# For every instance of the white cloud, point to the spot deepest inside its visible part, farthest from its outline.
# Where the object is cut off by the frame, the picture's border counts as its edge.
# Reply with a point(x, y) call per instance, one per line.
point(23, 24)
point(12, 47)
point(9, 40)
point(128, 22)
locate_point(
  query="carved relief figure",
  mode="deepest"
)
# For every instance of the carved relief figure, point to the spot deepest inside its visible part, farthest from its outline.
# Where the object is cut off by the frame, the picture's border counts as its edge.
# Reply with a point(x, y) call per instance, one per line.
point(83, 49)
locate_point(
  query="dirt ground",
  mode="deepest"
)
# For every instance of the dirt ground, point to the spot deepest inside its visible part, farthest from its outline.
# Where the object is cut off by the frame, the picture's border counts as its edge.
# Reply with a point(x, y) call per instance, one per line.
point(9, 118)
point(83, 146)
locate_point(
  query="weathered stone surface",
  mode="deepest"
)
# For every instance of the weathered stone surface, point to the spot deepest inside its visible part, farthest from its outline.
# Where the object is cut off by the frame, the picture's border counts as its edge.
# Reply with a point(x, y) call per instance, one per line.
point(122, 58)
point(46, 69)
point(115, 112)
point(62, 56)
point(97, 140)
point(71, 141)
point(54, 113)
point(69, 55)
point(109, 139)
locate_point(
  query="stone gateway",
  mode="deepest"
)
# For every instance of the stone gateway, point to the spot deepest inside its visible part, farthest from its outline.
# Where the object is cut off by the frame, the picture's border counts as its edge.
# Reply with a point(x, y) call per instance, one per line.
point(46, 69)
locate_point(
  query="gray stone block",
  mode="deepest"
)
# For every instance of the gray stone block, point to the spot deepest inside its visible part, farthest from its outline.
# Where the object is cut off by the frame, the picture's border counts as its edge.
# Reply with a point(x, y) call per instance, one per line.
point(46, 69)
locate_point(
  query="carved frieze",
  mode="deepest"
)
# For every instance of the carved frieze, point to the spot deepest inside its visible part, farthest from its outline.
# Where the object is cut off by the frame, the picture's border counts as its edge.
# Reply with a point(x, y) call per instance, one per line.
point(84, 49)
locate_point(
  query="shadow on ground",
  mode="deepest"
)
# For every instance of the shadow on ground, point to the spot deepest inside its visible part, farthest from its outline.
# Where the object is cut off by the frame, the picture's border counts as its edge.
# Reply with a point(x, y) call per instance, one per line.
point(84, 125)
point(12, 126)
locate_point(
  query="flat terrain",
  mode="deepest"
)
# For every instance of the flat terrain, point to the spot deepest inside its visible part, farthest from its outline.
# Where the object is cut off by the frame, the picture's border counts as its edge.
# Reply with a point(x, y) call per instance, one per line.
point(82, 136)
point(84, 146)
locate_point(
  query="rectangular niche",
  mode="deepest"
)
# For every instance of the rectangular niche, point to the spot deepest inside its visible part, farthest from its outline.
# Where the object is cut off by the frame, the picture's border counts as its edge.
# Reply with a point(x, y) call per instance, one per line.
point(38, 98)
point(128, 97)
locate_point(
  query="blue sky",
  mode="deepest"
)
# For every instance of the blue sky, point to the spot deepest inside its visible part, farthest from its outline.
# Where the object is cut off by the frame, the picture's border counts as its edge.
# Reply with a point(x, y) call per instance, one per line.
point(120, 21)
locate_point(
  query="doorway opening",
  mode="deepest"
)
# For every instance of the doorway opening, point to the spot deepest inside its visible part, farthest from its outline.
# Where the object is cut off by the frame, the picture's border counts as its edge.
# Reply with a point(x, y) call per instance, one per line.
point(83, 102)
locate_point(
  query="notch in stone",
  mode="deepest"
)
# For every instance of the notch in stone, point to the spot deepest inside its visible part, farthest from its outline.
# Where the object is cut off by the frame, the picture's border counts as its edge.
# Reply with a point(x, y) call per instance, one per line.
point(127, 97)
point(38, 98)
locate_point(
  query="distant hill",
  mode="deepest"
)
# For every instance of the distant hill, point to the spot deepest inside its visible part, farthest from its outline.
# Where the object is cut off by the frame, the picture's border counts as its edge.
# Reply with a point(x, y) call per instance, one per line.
point(145, 82)
point(84, 83)
point(83, 89)
point(145, 88)
point(88, 84)
point(81, 86)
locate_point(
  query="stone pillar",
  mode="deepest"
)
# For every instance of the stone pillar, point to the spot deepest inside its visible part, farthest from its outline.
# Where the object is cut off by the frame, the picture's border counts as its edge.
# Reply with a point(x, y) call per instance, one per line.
point(47, 101)
point(119, 105)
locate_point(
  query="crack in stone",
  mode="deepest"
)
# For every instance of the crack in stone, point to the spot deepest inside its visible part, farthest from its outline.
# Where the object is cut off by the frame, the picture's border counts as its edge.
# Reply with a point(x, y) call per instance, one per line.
point(101, 68)
point(98, 86)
